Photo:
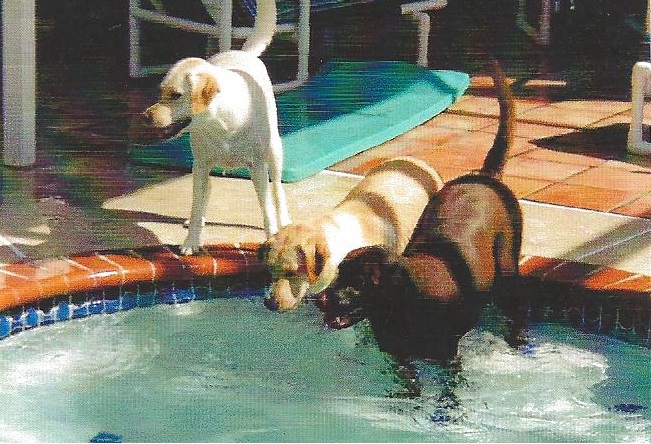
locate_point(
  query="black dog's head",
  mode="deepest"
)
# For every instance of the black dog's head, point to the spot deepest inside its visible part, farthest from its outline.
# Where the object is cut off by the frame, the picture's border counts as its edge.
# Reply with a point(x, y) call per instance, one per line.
point(368, 279)
point(413, 304)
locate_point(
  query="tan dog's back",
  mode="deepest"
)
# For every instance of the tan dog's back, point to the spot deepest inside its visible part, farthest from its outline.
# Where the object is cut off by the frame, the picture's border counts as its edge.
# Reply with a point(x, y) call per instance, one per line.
point(395, 191)
point(382, 209)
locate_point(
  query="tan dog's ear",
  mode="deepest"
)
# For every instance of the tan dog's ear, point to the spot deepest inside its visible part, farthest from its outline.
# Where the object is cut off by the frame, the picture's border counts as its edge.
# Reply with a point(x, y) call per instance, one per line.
point(204, 89)
point(315, 255)
point(263, 251)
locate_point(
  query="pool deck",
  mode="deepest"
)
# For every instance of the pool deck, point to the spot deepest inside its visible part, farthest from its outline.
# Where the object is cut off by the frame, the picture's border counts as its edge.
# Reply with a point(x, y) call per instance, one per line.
point(587, 204)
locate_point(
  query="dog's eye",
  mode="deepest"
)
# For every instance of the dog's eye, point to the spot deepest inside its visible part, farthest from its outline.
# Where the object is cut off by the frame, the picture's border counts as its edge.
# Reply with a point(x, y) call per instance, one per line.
point(175, 96)
point(350, 293)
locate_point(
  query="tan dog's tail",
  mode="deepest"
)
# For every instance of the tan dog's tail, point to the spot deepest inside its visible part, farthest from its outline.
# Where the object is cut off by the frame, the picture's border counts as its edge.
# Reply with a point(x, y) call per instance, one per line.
point(496, 157)
point(263, 29)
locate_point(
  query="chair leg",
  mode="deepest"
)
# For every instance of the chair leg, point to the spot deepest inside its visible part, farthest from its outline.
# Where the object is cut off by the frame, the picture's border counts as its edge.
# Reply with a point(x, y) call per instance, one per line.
point(423, 37)
point(417, 10)
point(640, 81)
point(134, 41)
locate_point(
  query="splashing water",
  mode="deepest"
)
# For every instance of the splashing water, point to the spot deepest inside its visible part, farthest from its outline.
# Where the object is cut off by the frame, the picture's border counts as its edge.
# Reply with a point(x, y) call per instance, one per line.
point(229, 370)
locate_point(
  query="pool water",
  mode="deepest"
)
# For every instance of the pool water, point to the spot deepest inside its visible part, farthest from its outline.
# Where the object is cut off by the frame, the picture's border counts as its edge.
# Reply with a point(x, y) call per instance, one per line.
point(229, 370)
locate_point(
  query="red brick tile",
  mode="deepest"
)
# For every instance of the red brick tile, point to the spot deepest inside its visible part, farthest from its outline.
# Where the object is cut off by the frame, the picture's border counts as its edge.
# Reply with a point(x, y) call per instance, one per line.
point(52, 272)
point(232, 261)
point(16, 291)
point(9, 293)
point(531, 131)
point(448, 173)
point(361, 168)
point(520, 146)
point(489, 106)
point(27, 283)
point(102, 272)
point(461, 122)
point(633, 283)
point(364, 161)
point(604, 277)
point(523, 186)
point(571, 271)
point(605, 106)
point(133, 268)
point(167, 263)
point(202, 264)
point(480, 81)
point(456, 157)
point(430, 135)
point(599, 199)
point(540, 169)
point(32, 281)
point(538, 266)
point(561, 157)
point(563, 116)
point(641, 165)
point(605, 176)
point(466, 151)
point(639, 207)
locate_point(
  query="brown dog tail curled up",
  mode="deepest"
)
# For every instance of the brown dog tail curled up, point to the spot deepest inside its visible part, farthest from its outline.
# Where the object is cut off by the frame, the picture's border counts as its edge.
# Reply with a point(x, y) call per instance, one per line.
point(496, 157)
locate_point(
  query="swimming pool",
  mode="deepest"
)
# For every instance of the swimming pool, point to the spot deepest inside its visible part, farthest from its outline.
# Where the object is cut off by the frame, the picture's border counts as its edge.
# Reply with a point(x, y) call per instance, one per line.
point(223, 368)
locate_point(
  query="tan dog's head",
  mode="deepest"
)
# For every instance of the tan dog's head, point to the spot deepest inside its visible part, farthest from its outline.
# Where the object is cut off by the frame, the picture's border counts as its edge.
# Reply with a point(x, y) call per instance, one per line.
point(185, 92)
point(297, 256)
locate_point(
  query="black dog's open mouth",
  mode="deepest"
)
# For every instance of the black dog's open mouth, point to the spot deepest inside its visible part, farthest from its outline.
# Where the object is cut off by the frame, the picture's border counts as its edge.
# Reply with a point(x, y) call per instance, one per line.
point(174, 128)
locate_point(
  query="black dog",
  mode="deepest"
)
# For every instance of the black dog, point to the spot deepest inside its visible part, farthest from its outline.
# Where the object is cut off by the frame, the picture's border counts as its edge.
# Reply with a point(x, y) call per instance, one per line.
point(465, 245)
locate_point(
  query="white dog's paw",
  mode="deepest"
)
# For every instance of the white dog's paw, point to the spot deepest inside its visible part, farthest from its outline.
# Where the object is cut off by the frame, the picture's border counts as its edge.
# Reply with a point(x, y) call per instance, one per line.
point(186, 224)
point(190, 247)
point(188, 251)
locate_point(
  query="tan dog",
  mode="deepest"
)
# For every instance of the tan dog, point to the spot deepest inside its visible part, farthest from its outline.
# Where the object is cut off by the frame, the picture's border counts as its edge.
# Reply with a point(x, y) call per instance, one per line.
point(381, 210)
point(228, 106)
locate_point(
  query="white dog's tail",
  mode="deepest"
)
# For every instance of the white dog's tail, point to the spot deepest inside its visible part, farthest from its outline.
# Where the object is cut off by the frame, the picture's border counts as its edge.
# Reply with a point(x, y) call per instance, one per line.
point(263, 29)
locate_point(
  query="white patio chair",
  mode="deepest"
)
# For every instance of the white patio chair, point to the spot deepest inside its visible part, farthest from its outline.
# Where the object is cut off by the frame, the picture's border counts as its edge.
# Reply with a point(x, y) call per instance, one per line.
point(221, 12)
point(640, 87)
point(418, 11)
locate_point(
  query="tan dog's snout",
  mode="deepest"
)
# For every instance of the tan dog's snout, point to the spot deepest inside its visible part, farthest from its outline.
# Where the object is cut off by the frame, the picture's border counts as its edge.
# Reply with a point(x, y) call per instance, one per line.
point(294, 268)
point(286, 294)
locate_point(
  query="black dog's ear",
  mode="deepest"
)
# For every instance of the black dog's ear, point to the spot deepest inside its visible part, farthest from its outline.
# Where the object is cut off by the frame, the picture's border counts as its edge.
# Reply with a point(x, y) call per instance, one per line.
point(374, 254)
point(367, 265)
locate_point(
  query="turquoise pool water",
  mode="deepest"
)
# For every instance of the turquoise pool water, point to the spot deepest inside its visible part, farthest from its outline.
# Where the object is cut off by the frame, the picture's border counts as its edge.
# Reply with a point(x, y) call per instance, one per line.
point(229, 370)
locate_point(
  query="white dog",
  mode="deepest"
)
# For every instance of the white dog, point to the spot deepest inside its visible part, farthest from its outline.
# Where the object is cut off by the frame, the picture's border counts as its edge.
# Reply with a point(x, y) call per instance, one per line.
point(227, 105)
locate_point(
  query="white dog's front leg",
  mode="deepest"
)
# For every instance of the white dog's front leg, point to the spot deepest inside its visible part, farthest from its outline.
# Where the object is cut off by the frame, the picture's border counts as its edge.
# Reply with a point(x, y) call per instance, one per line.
point(277, 190)
point(186, 223)
point(200, 194)
point(260, 181)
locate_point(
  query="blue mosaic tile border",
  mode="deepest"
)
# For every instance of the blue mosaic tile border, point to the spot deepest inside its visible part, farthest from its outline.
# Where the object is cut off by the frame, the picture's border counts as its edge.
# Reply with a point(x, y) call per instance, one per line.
point(114, 300)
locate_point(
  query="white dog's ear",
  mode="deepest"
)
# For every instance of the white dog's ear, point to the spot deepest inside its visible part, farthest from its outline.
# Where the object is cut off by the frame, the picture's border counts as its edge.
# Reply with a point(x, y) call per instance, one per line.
point(204, 89)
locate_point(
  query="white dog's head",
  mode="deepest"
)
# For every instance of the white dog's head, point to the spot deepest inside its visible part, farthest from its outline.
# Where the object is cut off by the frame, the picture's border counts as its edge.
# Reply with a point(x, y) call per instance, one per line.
point(186, 91)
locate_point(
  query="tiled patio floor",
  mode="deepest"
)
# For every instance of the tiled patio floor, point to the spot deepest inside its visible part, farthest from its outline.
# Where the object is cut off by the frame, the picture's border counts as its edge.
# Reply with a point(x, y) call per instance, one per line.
point(570, 153)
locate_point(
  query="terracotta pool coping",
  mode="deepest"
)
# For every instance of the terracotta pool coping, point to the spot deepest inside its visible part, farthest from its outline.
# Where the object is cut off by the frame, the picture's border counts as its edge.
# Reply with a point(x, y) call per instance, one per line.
point(25, 283)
